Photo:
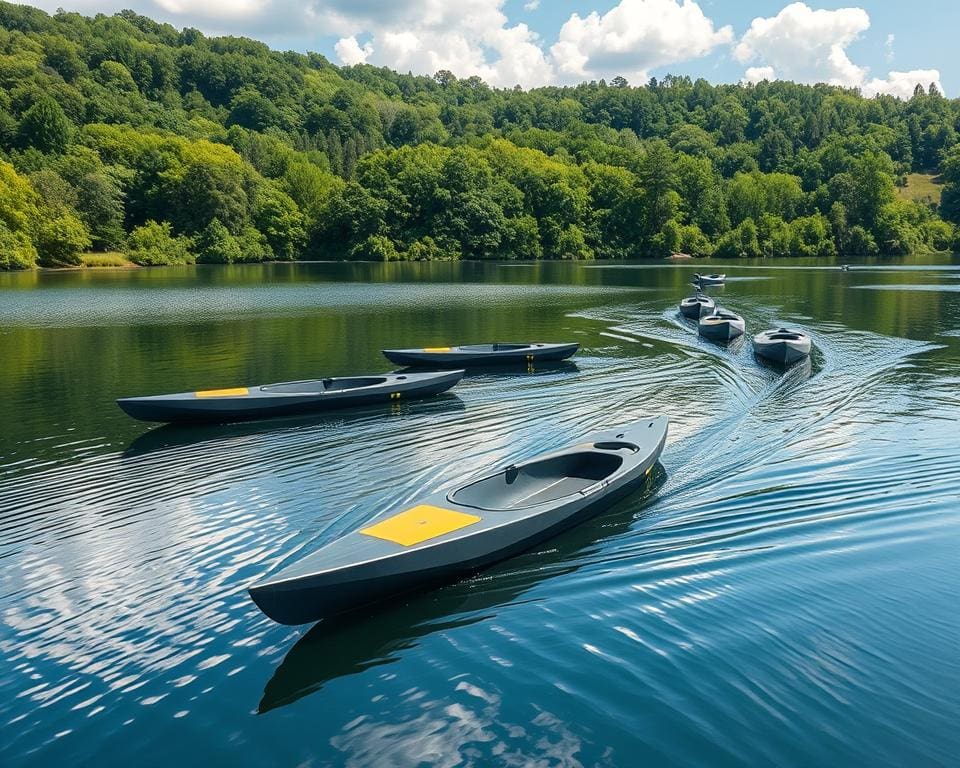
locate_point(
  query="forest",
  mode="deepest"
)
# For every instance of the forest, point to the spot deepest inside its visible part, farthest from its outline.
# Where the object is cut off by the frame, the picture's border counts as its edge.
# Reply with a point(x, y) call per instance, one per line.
point(121, 134)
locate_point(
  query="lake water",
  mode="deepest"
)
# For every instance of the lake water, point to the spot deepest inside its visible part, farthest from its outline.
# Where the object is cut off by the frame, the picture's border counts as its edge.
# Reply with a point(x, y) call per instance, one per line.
point(786, 594)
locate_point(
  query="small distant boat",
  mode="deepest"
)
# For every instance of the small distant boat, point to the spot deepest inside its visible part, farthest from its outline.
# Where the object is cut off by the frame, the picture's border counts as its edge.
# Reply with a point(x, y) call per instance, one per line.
point(714, 279)
point(284, 398)
point(782, 345)
point(694, 306)
point(844, 267)
point(721, 325)
point(481, 354)
point(480, 522)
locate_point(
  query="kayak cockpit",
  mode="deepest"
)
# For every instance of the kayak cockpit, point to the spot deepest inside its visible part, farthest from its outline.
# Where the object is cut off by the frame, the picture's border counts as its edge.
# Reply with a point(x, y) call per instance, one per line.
point(323, 385)
point(783, 335)
point(543, 481)
point(495, 347)
point(720, 315)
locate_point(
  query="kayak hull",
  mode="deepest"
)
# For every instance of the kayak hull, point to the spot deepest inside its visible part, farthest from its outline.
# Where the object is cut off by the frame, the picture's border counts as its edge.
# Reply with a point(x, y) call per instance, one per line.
point(286, 398)
point(474, 355)
point(786, 350)
point(710, 279)
point(693, 308)
point(721, 328)
point(360, 569)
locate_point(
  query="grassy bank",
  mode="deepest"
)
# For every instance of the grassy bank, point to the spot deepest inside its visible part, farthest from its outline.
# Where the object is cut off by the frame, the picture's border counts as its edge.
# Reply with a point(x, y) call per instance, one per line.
point(110, 259)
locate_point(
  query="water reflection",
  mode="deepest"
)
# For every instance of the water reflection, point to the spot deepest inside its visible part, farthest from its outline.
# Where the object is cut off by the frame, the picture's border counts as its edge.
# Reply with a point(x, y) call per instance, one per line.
point(803, 368)
point(567, 367)
point(171, 436)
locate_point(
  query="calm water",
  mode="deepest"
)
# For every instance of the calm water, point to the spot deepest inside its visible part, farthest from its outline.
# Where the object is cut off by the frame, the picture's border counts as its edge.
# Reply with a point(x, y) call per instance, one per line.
point(787, 592)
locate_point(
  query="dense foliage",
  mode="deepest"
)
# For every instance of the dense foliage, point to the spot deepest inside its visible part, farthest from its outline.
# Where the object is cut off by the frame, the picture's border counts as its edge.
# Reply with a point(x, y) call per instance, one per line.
point(117, 132)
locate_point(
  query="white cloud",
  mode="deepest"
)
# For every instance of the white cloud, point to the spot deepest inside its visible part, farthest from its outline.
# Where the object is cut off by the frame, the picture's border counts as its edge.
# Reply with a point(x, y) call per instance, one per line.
point(532, 5)
point(902, 83)
point(758, 74)
point(470, 37)
point(802, 44)
point(231, 10)
point(888, 47)
point(633, 38)
point(810, 46)
point(350, 52)
point(474, 37)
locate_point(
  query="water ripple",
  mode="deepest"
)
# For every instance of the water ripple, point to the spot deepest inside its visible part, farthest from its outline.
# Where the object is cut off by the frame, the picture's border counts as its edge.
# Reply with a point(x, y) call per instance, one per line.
point(783, 591)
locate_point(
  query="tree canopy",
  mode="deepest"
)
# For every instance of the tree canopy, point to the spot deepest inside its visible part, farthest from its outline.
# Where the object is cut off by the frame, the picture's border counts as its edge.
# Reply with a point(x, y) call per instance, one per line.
point(121, 132)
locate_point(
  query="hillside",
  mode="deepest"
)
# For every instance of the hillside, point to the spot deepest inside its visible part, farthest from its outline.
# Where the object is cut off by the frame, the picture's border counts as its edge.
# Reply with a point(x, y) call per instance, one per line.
point(119, 133)
point(922, 187)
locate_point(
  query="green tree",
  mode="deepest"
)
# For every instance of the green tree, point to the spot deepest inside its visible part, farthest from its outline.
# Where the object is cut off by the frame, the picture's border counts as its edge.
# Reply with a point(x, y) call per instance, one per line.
point(861, 243)
point(573, 245)
point(154, 243)
point(100, 206)
point(521, 239)
point(375, 248)
point(215, 245)
point(60, 240)
point(740, 242)
point(45, 127)
point(206, 190)
point(19, 218)
point(277, 216)
point(16, 250)
point(250, 109)
point(253, 245)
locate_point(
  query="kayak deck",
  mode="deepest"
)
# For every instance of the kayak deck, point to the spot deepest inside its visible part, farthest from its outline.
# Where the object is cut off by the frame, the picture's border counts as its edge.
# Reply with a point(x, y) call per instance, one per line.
point(482, 354)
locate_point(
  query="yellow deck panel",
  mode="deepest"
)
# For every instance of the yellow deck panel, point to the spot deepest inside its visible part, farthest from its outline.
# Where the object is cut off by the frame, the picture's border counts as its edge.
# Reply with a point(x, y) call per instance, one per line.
point(437, 349)
point(234, 392)
point(420, 523)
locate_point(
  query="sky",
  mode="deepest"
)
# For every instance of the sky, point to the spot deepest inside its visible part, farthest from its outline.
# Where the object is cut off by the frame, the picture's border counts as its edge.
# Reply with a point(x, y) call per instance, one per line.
point(880, 46)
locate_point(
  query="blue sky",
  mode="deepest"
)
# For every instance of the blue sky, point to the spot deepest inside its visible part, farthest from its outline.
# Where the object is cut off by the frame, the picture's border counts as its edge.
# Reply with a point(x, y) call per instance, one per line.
point(879, 45)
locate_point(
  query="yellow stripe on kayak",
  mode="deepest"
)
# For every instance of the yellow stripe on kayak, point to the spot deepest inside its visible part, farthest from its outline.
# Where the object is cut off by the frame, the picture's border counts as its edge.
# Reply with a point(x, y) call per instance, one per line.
point(418, 524)
point(437, 349)
point(234, 392)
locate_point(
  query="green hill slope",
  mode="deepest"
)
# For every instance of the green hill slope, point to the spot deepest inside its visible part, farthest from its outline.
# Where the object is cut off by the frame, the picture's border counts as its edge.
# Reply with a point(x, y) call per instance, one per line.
point(119, 133)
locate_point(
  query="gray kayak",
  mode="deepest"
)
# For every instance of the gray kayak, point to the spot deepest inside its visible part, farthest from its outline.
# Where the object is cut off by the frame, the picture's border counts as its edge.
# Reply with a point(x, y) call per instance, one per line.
point(451, 534)
point(714, 279)
point(782, 345)
point(500, 353)
point(697, 305)
point(721, 325)
point(289, 397)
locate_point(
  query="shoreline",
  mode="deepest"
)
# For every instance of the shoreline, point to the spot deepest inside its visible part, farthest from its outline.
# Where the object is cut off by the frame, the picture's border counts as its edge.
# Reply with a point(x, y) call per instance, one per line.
point(121, 263)
point(679, 259)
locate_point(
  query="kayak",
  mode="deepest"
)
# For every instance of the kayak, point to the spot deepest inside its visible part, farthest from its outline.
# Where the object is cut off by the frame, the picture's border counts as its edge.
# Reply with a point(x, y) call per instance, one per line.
point(714, 279)
point(219, 405)
point(480, 354)
point(782, 345)
point(721, 325)
point(451, 534)
point(694, 306)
